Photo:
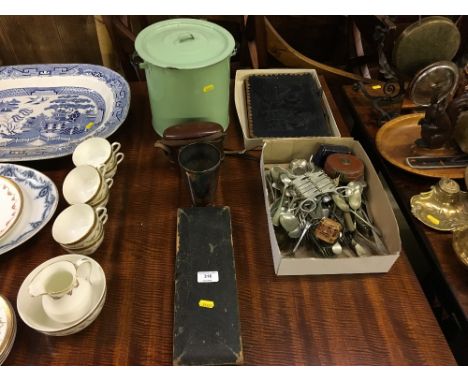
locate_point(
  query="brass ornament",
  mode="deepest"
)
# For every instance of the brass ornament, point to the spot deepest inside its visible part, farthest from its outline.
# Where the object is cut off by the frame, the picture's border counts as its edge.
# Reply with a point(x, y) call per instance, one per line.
point(444, 207)
point(460, 244)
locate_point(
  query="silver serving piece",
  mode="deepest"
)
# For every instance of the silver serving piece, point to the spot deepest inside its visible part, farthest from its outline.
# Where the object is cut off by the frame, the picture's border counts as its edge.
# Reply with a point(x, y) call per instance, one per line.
point(301, 197)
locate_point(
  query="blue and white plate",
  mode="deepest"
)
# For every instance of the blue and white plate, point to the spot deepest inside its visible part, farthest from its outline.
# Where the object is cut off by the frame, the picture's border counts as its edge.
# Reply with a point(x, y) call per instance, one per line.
point(47, 110)
point(40, 198)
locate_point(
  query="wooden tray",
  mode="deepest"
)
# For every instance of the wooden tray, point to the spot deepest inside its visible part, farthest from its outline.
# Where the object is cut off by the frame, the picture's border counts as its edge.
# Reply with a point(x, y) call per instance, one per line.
point(395, 142)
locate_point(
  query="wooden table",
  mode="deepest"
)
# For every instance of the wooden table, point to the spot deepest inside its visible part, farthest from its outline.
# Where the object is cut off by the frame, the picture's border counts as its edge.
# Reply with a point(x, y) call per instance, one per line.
point(308, 320)
point(443, 277)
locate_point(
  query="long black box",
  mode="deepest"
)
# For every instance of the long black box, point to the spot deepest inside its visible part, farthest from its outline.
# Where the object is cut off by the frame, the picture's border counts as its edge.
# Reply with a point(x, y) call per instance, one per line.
point(206, 314)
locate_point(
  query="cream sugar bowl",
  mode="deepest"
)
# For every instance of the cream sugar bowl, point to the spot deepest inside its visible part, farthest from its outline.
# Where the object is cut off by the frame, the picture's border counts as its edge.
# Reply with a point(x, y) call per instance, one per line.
point(86, 185)
point(80, 228)
point(45, 305)
point(100, 153)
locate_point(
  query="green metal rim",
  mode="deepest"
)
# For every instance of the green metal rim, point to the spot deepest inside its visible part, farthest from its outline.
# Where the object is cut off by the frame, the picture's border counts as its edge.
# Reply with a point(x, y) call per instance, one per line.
point(150, 59)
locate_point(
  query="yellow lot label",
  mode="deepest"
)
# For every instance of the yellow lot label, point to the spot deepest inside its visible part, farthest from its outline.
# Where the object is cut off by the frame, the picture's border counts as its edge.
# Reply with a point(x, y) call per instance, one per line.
point(433, 219)
point(206, 304)
point(208, 88)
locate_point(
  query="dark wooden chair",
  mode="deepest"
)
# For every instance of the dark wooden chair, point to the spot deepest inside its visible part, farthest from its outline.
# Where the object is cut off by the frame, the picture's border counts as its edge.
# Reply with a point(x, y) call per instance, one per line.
point(123, 31)
point(266, 43)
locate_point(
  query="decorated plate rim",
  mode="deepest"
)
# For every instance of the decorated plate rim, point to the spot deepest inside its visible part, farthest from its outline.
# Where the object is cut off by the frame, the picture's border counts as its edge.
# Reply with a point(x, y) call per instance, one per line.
point(21, 203)
point(13, 242)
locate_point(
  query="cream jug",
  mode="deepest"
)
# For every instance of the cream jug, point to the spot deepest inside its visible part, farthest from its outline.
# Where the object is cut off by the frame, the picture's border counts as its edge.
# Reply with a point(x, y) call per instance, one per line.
point(65, 289)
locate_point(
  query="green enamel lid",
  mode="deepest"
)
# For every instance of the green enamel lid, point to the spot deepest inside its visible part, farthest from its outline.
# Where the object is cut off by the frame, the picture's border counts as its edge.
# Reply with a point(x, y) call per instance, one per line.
point(184, 44)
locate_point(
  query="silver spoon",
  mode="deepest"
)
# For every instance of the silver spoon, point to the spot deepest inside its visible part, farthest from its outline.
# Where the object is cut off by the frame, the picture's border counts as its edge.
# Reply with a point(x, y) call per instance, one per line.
point(295, 233)
point(355, 197)
point(360, 250)
point(288, 221)
point(299, 166)
point(337, 248)
point(286, 181)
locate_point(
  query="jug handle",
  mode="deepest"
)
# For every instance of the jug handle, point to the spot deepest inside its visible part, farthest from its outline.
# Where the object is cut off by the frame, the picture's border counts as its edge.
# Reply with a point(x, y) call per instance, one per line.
point(80, 265)
point(163, 147)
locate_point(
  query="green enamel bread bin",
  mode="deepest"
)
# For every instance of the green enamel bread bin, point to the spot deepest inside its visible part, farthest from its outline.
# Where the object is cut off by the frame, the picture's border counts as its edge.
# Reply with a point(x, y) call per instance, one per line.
point(187, 66)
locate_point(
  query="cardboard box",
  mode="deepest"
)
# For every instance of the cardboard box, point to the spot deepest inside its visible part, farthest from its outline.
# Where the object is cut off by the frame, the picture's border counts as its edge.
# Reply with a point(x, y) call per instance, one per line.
point(241, 105)
point(282, 151)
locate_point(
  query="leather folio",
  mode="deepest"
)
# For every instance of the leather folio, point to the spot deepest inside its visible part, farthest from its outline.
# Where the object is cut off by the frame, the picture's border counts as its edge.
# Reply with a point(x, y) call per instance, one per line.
point(206, 313)
point(285, 105)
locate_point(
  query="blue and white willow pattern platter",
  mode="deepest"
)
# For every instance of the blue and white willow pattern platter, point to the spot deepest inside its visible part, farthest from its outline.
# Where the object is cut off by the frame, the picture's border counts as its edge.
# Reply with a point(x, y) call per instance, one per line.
point(47, 110)
point(40, 198)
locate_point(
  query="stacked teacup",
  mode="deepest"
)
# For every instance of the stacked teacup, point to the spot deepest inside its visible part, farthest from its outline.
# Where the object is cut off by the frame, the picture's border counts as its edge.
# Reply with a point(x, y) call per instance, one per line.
point(88, 185)
point(100, 153)
point(80, 227)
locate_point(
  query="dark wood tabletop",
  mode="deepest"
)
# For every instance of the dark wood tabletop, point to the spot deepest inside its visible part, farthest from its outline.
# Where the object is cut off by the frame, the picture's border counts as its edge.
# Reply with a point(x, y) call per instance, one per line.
point(441, 273)
point(378, 319)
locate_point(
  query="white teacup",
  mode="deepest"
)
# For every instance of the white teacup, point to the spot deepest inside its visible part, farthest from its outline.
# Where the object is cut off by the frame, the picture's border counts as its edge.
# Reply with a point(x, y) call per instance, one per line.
point(80, 228)
point(86, 184)
point(100, 153)
point(90, 247)
point(101, 200)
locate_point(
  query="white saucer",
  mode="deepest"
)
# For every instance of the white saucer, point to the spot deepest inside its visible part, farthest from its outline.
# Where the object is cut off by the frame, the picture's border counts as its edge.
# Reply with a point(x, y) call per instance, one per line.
point(30, 308)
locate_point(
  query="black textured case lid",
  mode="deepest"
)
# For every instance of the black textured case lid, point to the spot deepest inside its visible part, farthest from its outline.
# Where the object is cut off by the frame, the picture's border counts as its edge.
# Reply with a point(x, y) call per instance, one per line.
point(206, 314)
point(285, 105)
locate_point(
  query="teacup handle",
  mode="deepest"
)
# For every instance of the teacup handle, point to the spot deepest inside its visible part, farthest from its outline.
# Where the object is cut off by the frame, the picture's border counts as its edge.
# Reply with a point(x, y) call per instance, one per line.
point(115, 147)
point(119, 157)
point(80, 266)
point(101, 213)
point(102, 169)
point(109, 182)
